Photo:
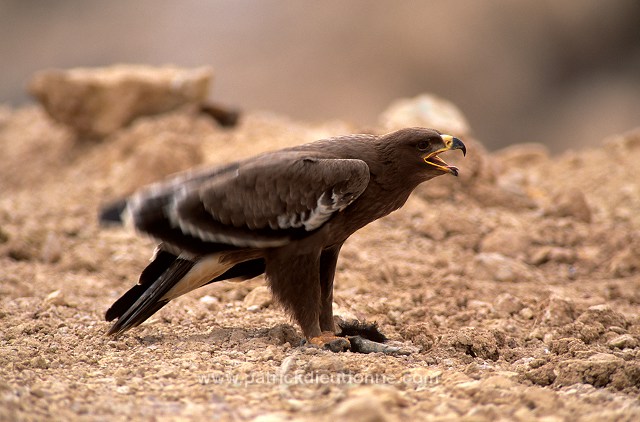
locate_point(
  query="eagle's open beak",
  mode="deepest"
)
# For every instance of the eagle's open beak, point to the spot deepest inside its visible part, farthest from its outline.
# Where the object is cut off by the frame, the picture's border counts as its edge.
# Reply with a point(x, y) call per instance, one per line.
point(450, 143)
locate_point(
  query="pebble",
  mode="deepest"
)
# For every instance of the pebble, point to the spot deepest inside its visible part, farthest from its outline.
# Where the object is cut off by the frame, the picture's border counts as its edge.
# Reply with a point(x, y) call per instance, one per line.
point(212, 303)
point(258, 298)
point(343, 313)
point(55, 298)
point(495, 266)
point(39, 362)
point(271, 417)
point(560, 311)
point(123, 389)
point(527, 313)
point(508, 304)
point(624, 341)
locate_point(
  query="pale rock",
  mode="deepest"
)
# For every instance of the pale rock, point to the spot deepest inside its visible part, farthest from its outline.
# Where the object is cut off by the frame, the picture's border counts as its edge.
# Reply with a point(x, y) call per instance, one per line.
point(258, 298)
point(495, 266)
point(425, 111)
point(508, 304)
point(603, 314)
point(624, 341)
point(56, 298)
point(527, 313)
point(123, 389)
point(560, 311)
point(511, 375)
point(523, 414)
point(470, 388)
point(39, 362)
point(271, 417)
point(95, 102)
point(343, 313)
point(596, 370)
point(212, 303)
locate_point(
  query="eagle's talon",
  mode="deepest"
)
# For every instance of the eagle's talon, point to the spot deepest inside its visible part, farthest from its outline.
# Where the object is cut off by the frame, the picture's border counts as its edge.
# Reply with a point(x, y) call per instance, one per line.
point(340, 344)
point(329, 341)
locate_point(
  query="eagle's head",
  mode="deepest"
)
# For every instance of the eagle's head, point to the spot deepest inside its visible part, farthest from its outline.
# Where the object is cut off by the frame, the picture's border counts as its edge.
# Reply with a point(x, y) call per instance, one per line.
point(417, 150)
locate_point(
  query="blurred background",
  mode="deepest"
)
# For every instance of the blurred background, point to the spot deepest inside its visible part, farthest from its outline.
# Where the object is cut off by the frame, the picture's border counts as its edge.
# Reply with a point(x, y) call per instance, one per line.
point(562, 72)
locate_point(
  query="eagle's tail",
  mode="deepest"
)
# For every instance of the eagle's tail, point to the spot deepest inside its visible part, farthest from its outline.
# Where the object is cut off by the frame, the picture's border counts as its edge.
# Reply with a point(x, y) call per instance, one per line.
point(112, 213)
point(146, 298)
point(169, 276)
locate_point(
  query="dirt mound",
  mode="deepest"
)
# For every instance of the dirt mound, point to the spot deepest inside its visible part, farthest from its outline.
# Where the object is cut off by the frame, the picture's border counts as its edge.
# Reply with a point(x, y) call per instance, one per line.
point(516, 286)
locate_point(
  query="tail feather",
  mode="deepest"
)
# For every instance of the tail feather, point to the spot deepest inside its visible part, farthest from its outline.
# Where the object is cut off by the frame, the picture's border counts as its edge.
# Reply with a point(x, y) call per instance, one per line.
point(154, 289)
point(160, 263)
point(150, 298)
point(112, 213)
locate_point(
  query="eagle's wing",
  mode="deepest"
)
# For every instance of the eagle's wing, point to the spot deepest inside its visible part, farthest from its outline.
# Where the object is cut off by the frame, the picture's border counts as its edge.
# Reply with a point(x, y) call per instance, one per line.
point(262, 202)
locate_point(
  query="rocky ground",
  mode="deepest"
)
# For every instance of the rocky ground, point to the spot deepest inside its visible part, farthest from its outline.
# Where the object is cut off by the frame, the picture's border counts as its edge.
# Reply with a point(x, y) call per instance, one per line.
point(515, 286)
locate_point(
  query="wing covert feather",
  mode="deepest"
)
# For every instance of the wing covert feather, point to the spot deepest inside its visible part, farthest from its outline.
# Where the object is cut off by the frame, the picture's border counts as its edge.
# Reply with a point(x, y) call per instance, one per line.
point(260, 202)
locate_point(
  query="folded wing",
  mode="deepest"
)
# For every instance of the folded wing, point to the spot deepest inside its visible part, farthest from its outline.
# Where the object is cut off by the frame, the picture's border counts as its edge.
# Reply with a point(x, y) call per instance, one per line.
point(262, 202)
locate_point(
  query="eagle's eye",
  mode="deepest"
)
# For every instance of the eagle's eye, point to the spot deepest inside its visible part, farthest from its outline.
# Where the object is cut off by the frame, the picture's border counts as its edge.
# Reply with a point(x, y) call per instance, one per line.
point(423, 145)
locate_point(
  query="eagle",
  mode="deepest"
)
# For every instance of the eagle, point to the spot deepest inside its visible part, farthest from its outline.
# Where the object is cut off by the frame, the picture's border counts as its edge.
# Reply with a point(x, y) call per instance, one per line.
point(285, 214)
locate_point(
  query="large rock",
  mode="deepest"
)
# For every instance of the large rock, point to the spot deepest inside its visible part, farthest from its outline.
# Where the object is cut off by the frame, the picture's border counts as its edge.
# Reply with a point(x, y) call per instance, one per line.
point(95, 102)
point(425, 110)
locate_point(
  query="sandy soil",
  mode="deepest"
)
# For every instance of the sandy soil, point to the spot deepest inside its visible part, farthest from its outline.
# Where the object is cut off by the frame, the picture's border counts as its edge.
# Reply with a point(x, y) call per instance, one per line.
point(516, 286)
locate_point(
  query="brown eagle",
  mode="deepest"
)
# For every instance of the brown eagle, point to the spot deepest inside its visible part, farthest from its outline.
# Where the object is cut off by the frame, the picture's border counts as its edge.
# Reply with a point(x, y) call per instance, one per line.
point(285, 214)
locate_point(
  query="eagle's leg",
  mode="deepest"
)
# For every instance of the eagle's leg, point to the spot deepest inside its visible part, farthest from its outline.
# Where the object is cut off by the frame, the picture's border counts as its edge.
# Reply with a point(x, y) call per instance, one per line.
point(295, 283)
point(328, 261)
point(363, 337)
